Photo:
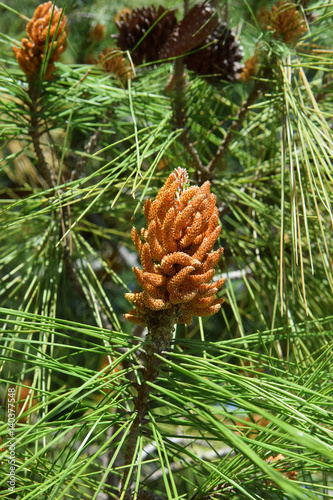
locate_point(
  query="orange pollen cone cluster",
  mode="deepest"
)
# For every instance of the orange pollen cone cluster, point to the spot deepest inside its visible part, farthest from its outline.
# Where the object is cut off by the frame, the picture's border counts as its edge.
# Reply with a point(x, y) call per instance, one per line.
point(285, 21)
point(47, 40)
point(176, 253)
point(113, 61)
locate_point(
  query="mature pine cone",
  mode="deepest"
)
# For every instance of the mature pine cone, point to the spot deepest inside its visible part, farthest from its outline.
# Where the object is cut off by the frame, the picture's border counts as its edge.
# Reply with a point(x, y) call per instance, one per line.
point(198, 23)
point(134, 26)
point(218, 58)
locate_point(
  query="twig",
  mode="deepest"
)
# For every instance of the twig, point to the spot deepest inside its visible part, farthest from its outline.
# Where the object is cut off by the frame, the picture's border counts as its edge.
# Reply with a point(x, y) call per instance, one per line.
point(180, 115)
point(42, 165)
point(91, 144)
point(160, 330)
point(89, 147)
point(223, 148)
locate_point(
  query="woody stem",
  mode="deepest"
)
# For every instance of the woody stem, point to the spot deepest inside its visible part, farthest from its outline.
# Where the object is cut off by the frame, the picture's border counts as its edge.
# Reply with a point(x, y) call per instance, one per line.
point(160, 329)
point(89, 147)
point(42, 165)
point(180, 114)
point(223, 148)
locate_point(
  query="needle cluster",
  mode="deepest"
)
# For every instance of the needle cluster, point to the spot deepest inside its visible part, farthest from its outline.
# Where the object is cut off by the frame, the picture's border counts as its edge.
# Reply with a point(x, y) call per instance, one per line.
point(47, 40)
point(176, 253)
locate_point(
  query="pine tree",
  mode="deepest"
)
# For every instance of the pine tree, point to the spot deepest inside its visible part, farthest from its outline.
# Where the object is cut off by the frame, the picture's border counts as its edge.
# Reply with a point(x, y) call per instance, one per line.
point(142, 361)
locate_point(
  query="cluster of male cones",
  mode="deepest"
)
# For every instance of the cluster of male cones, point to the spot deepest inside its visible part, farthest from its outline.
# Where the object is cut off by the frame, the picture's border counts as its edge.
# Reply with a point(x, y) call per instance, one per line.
point(285, 21)
point(113, 61)
point(176, 254)
point(47, 40)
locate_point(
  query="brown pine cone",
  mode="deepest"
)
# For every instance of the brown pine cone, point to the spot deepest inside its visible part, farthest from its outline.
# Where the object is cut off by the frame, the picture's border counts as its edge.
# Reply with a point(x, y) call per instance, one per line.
point(198, 23)
point(218, 58)
point(47, 26)
point(133, 28)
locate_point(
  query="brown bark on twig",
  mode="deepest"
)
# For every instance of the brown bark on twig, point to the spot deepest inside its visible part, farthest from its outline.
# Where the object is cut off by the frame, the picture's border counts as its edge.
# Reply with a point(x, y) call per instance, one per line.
point(160, 330)
point(180, 115)
point(89, 147)
point(42, 165)
point(223, 148)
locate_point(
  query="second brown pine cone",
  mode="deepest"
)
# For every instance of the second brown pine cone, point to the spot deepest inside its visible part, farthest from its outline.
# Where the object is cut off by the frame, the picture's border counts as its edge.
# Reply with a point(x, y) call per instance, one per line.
point(218, 58)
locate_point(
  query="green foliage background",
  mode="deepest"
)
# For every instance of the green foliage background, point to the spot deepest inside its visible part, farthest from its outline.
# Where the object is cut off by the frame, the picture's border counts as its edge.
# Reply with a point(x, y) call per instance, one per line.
point(267, 354)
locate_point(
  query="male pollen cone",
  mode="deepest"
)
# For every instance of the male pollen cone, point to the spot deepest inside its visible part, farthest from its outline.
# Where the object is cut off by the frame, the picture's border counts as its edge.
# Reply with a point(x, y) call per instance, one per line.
point(48, 27)
point(285, 20)
point(176, 255)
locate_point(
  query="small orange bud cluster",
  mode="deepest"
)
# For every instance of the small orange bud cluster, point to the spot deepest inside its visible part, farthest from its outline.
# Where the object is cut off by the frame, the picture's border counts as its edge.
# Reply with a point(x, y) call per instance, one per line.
point(113, 61)
point(97, 33)
point(285, 21)
point(122, 14)
point(250, 68)
point(176, 255)
point(47, 40)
